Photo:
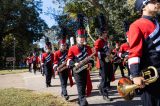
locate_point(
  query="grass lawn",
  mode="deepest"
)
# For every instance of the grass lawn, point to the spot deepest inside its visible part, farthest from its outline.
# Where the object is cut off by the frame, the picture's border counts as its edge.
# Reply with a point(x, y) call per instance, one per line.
point(23, 97)
point(3, 72)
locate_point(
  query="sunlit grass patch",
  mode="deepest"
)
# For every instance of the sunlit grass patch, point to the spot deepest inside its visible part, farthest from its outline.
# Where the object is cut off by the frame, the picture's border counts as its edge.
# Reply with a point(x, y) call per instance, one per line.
point(23, 97)
point(3, 72)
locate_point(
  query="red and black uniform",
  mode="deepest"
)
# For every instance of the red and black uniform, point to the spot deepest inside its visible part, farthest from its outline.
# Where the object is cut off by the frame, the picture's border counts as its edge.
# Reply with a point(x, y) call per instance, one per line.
point(83, 81)
point(47, 60)
point(59, 58)
point(117, 61)
point(41, 65)
point(123, 53)
point(124, 50)
point(35, 62)
point(105, 72)
point(29, 60)
point(144, 41)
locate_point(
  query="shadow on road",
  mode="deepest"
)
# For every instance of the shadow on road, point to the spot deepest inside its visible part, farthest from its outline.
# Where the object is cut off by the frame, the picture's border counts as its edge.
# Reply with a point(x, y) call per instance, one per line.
point(121, 103)
point(73, 100)
point(74, 95)
point(95, 80)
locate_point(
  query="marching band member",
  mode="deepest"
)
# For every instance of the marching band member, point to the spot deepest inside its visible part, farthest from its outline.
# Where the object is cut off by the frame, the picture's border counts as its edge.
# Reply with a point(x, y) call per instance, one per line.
point(41, 64)
point(102, 53)
point(76, 54)
point(144, 42)
point(60, 57)
point(117, 60)
point(35, 61)
point(123, 53)
point(29, 61)
point(47, 61)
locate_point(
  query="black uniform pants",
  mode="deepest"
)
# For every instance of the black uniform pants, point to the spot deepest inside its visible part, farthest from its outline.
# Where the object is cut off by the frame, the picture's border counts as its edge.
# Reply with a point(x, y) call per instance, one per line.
point(64, 78)
point(151, 94)
point(105, 78)
point(128, 69)
point(30, 64)
point(115, 66)
point(42, 70)
point(48, 73)
point(34, 67)
point(81, 81)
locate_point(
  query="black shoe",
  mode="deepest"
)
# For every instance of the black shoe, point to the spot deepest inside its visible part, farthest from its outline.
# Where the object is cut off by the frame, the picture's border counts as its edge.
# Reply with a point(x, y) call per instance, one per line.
point(84, 103)
point(78, 102)
point(66, 97)
point(107, 98)
point(49, 85)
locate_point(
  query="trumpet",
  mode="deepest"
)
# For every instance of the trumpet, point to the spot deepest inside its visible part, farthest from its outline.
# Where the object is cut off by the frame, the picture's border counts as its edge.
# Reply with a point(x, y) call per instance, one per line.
point(126, 88)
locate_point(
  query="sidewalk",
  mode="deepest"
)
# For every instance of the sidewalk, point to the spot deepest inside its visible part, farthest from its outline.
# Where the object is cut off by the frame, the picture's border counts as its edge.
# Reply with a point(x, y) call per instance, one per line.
point(37, 83)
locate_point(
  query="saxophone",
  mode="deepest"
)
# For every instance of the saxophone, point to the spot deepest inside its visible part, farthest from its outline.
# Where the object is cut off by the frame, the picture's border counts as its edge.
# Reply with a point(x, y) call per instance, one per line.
point(109, 56)
point(62, 67)
point(83, 64)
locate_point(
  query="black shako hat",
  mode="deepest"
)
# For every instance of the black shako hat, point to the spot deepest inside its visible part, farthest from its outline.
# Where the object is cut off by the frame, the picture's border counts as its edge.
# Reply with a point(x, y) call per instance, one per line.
point(100, 24)
point(139, 4)
point(48, 43)
point(81, 32)
point(63, 36)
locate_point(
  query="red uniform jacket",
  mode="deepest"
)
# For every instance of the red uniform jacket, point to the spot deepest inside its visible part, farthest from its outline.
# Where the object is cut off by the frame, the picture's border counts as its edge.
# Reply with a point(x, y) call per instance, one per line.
point(76, 55)
point(59, 58)
point(47, 59)
point(124, 50)
point(29, 60)
point(144, 45)
point(116, 58)
point(101, 50)
point(35, 59)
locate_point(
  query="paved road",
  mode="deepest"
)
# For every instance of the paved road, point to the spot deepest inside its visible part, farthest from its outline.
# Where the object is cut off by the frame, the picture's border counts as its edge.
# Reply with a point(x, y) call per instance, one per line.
point(37, 82)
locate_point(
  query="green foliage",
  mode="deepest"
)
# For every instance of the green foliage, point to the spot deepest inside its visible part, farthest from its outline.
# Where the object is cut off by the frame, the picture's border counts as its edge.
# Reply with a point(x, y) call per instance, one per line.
point(20, 19)
point(116, 12)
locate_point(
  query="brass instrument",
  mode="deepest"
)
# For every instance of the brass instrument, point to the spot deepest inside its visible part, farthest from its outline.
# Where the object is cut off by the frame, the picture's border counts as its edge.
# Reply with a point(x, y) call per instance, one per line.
point(83, 64)
point(109, 56)
point(117, 59)
point(126, 88)
point(62, 67)
point(125, 60)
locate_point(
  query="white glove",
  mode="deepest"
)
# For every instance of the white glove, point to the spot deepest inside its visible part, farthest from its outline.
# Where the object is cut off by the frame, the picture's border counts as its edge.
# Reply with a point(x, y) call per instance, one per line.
point(76, 64)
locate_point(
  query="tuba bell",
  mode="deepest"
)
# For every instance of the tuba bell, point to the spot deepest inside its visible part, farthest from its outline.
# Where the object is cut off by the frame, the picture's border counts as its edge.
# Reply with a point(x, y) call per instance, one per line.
point(126, 88)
